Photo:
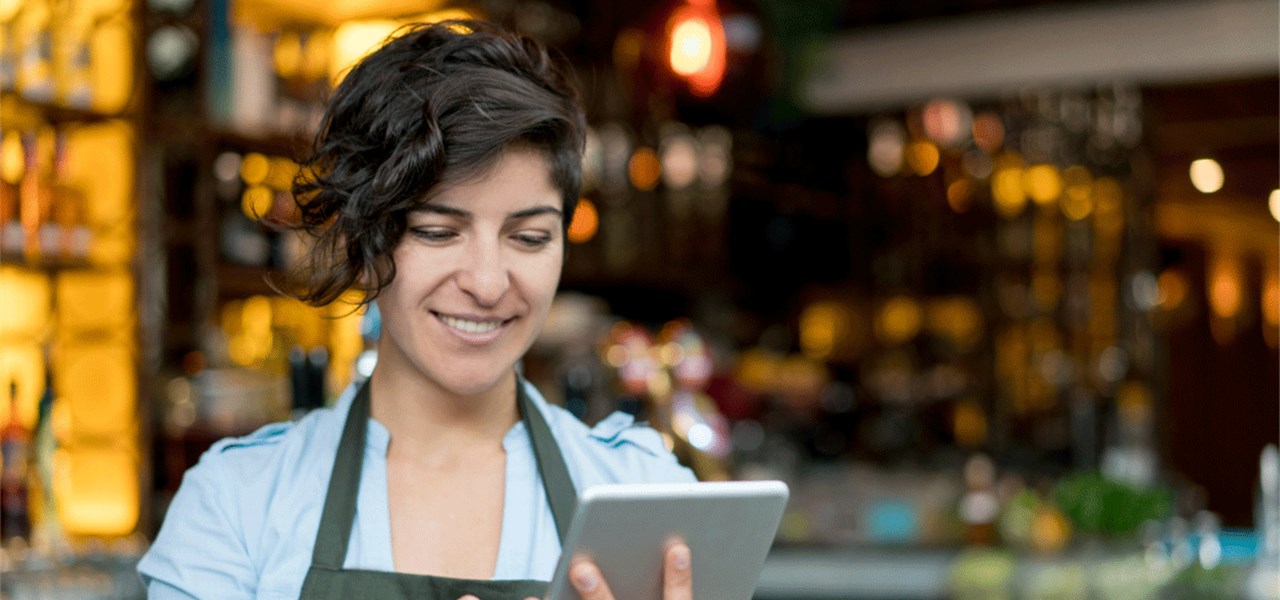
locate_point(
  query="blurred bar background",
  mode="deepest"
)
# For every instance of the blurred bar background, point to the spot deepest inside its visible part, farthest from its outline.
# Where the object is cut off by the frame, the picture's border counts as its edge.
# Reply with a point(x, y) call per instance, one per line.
point(993, 285)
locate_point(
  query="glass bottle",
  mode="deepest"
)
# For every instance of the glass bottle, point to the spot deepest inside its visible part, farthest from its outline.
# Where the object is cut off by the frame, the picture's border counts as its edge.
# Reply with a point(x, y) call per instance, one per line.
point(34, 43)
point(15, 521)
point(68, 207)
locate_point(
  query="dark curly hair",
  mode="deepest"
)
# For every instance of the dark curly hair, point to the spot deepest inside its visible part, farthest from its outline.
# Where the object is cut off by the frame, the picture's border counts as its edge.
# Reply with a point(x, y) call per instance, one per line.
point(436, 104)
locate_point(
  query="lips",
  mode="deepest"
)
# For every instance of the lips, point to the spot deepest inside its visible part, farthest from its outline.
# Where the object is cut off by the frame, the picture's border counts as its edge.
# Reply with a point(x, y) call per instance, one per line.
point(474, 329)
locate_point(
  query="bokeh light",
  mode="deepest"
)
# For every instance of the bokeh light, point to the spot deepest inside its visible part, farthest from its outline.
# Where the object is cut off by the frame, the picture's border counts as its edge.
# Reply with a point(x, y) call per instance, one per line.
point(644, 169)
point(988, 132)
point(585, 224)
point(1043, 183)
point(947, 122)
point(922, 157)
point(885, 147)
point(1206, 175)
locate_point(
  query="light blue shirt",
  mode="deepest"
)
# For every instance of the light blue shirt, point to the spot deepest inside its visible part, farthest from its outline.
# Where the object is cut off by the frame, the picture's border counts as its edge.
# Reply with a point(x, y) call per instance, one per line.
point(243, 523)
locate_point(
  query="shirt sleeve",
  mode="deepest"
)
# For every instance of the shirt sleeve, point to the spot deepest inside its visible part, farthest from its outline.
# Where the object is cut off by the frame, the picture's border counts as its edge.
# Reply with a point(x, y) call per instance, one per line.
point(200, 552)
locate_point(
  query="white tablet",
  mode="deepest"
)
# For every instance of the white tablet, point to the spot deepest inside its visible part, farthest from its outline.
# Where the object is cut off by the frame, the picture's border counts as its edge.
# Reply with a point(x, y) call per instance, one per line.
point(624, 529)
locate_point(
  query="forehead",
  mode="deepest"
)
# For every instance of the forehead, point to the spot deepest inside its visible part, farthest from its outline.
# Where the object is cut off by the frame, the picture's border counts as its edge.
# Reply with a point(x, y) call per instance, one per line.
point(519, 175)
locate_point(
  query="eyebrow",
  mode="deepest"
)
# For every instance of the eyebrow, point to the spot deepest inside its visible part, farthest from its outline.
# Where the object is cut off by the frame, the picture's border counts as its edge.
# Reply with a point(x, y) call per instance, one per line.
point(523, 213)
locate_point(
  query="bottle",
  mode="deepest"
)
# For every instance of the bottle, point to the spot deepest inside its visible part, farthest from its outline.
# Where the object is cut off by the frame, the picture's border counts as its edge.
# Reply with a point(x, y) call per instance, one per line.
point(46, 529)
point(15, 521)
point(34, 40)
point(72, 235)
point(33, 196)
point(72, 54)
point(11, 169)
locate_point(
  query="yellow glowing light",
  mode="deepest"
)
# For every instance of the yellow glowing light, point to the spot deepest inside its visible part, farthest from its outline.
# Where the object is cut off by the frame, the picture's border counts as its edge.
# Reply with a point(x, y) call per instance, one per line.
point(254, 168)
point(922, 157)
point(111, 72)
point(644, 169)
point(256, 202)
point(1043, 183)
point(1274, 203)
point(12, 159)
point(821, 326)
point(586, 221)
point(1225, 291)
point(960, 195)
point(255, 317)
point(9, 8)
point(97, 490)
point(26, 297)
point(988, 132)
point(690, 46)
point(104, 155)
point(1007, 192)
point(94, 300)
point(98, 384)
point(315, 55)
point(1206, 175)
point(287, 55)
point(280, 173)
point(353, 40)
point(899, 320)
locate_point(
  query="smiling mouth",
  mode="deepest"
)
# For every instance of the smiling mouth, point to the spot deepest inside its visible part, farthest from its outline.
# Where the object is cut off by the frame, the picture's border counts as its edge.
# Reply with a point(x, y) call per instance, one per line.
point(470, 326)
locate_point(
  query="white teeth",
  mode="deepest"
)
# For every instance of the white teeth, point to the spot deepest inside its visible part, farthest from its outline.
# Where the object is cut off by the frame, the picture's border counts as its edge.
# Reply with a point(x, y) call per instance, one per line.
point(470, 326)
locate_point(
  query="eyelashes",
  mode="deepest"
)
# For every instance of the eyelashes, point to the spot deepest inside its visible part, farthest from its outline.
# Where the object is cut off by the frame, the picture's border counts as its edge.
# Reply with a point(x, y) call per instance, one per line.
point(442, 235)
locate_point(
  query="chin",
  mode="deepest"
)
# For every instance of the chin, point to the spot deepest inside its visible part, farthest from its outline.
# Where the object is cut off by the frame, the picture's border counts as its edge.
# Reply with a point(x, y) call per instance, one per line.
point(472, 383)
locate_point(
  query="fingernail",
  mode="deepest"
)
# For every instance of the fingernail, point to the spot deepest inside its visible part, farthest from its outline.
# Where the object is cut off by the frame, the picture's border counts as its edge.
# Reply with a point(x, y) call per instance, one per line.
point(682, 558)
point(585, 579)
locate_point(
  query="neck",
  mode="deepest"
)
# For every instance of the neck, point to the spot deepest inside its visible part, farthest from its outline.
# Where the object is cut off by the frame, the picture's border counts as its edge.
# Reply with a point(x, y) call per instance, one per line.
point(426, 421)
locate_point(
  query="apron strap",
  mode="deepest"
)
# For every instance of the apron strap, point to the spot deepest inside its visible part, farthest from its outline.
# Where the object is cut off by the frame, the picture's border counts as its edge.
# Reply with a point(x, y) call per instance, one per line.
point(339, 514)
point(556, 482)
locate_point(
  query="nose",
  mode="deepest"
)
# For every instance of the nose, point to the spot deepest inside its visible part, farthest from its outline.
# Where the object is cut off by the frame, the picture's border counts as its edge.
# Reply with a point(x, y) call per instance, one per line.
point(484, 275)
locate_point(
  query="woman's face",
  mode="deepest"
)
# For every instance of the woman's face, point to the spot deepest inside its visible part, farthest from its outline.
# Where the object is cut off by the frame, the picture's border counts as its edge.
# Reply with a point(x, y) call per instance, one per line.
point(475, 275)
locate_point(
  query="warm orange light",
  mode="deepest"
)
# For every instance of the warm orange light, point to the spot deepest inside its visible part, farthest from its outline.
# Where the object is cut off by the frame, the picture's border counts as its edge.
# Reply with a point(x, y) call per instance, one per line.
point(696, 46)
point(586, 221)
point(644, 169)
point(922, 157)
point(1043, 183)
point(988, 132)
point(1225, 287)
point(1172, 286)
point(1007, 192)
point(960, 195)
point(1271, 296)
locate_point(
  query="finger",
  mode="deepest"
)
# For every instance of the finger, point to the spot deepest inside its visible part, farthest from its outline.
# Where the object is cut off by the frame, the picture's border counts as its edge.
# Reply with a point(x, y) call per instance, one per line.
point(677, 573)
point(468, 597)
point(588, 582)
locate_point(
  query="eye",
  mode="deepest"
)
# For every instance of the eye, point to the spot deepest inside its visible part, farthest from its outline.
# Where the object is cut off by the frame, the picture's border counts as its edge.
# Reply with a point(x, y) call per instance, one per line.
point(434, 234)
point(531, 239)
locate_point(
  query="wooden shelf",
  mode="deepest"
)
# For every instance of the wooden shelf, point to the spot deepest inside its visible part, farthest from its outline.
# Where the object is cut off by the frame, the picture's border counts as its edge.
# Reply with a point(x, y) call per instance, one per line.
point(48, 264)
point(239, 281)
point(23, 113)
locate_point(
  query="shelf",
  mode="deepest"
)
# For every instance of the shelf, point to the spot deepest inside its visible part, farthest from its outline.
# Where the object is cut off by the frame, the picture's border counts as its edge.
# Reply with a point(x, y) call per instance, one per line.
point(24, 113)
point(239, 281)
point(48, 264)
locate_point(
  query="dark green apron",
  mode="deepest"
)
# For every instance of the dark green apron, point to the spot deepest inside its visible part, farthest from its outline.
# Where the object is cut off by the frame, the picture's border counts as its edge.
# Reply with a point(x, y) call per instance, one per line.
point(328, 580)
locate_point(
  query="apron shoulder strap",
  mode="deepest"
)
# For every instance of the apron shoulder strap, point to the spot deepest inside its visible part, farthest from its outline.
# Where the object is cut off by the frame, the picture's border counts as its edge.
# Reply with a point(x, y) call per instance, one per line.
point(556, 482)
point(344, 484)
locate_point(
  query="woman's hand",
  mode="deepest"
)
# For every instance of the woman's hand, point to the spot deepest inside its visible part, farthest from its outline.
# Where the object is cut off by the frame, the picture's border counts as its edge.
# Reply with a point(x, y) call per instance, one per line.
point(677, 577)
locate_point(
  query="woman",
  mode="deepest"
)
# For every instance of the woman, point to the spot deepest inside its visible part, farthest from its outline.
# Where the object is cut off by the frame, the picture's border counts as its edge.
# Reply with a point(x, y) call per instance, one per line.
point(443, 179)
